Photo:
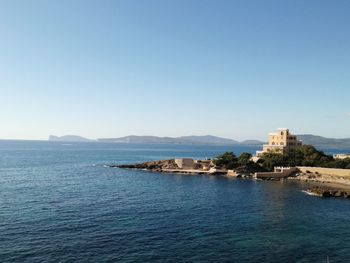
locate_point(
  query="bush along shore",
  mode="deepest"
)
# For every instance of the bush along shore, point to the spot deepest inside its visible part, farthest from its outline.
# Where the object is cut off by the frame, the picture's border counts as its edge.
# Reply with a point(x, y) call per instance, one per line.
point(243, 166)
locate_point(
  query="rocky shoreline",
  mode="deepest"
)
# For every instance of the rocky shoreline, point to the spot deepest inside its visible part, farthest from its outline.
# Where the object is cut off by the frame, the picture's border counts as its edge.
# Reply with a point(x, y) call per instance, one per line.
point(170, 166)
point(323, 191)
point(315, 184)
point(156, 166)
point(324, 185)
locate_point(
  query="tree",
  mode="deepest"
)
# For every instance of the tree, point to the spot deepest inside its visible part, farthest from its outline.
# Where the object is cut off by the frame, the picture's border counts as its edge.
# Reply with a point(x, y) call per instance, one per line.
point(227, 160)
point(270, 160)
point(306, 155)
point(244, 159)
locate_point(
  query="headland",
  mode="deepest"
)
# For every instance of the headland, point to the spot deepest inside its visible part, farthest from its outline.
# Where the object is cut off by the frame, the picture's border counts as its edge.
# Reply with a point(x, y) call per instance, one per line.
point(283, 158)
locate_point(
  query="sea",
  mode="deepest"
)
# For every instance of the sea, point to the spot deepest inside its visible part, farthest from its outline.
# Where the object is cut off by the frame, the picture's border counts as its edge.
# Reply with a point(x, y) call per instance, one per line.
point(60, 202)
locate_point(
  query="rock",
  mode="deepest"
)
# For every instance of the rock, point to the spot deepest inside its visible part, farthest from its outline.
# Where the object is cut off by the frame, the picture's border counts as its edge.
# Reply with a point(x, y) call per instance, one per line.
point(328, 192)
point(337, 193)
point(153, 165)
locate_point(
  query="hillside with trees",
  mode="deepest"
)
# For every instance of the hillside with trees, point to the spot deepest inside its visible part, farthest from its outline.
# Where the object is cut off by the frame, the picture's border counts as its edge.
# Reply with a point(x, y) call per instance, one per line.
point(305, 155)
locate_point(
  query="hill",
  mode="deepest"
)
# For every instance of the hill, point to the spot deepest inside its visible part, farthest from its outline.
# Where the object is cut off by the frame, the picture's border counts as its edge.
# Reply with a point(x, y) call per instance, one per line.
point(317, 141)
point(323, 142)
point(200, 140)
point(206, 139)
point(68, 138)
point(139, 139)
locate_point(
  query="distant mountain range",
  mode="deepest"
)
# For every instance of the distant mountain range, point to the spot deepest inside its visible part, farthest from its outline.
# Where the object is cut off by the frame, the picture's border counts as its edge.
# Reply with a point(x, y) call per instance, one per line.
point(325, 143)
point(178, 140)
point(317, 141)
point(202, 140)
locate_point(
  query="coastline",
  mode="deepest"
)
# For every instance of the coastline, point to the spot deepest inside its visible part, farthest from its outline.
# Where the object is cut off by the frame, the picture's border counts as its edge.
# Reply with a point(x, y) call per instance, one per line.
point(322, 179)
point(324, 185)
point(316, 184)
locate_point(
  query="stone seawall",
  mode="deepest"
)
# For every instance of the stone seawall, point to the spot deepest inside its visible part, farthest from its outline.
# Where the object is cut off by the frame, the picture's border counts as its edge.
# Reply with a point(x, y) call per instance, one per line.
point(280, 172)
point(266, 175)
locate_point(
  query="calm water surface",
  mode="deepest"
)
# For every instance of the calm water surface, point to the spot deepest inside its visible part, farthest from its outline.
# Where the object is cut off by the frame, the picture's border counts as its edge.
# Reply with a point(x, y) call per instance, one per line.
point(58, 203)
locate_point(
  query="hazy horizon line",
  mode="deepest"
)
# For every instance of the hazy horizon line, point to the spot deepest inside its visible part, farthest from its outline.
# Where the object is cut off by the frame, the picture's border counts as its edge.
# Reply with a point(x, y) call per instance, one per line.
point(159, 136)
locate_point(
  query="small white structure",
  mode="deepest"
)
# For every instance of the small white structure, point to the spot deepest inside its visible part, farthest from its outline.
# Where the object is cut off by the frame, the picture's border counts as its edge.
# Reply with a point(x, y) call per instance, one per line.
point(341, 156)
point(185, 163)
point(231, 173)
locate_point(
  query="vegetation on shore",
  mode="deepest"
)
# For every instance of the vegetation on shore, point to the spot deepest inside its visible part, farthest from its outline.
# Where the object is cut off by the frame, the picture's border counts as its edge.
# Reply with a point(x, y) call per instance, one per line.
point(242, 163)
point(305, 155)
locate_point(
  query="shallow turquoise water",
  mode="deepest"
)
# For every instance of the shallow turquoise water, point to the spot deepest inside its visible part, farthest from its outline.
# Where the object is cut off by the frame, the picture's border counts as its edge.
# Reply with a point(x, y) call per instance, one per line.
point(58, 203)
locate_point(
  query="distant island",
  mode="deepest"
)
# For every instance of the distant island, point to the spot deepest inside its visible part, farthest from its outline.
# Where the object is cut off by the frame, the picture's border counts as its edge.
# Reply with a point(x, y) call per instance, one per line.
point(315, 140)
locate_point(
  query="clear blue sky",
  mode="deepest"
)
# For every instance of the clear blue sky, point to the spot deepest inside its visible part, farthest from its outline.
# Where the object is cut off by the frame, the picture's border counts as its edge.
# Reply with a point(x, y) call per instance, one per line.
point(237, 69)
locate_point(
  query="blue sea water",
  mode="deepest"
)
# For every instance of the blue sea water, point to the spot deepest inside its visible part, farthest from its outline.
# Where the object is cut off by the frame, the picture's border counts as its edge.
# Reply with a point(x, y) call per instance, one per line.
point(59, 203)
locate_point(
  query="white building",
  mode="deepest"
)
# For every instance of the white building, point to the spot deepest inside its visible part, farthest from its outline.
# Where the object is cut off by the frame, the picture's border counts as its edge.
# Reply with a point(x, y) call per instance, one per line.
point(185, 163)
point(341, 155)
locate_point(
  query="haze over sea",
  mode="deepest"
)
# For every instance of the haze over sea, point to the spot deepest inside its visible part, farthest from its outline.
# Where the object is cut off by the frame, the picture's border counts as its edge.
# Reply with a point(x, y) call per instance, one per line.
point(59, 203)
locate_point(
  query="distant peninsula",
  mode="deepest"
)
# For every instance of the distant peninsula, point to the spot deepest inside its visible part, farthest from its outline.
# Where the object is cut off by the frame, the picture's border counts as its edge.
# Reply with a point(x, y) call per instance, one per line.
point(202, 140)
point(68, 138)
point(317, 141)
point(134, 139)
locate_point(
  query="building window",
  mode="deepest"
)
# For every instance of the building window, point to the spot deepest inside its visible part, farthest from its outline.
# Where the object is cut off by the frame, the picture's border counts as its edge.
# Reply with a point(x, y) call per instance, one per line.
point(273, 143)
point(281, 143)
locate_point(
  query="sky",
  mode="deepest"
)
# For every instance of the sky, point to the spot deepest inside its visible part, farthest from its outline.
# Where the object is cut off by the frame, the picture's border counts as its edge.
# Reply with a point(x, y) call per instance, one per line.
point(236, 69)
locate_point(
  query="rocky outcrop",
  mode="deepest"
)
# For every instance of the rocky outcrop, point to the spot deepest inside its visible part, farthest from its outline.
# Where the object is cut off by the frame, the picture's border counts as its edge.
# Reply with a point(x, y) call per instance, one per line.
point(152, 166)
point(170, 166)
point(328, 192)
point(322, 179)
